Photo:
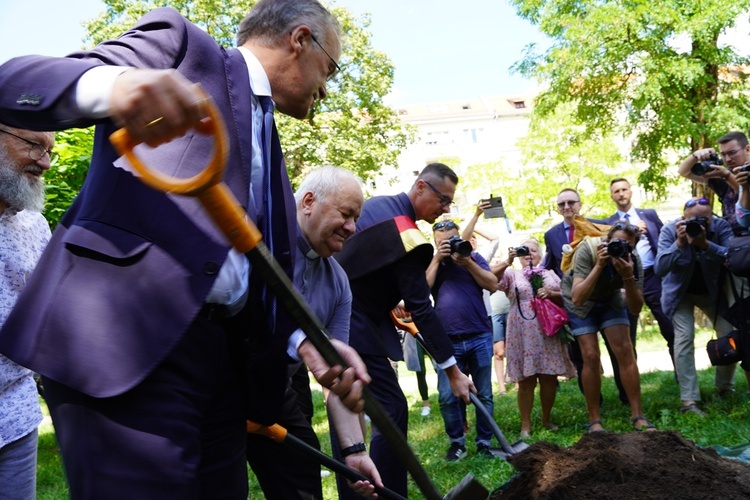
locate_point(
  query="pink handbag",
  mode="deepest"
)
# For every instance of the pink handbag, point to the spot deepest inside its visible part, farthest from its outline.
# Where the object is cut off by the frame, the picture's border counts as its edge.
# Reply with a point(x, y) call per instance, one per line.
point(551, 317)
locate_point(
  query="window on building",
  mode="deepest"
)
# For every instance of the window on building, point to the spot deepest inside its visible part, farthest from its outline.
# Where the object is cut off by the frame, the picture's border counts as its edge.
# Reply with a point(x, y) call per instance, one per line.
point(473, 135)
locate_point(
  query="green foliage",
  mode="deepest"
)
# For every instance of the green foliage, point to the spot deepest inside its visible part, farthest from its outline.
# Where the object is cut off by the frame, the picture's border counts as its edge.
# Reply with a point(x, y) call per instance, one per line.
point(351, 128)
point(66, 177)
point(651, 70)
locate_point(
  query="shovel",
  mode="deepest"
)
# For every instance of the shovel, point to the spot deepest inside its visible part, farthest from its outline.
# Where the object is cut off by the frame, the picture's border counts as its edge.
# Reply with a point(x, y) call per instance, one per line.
point(506, 449)
point(232, 220)
point(280, 435)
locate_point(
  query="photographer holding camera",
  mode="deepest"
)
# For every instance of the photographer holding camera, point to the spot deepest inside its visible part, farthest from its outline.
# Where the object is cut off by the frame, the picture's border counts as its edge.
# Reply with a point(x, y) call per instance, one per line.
point(705, 166)
point(595, 302)
point(457, 277)
point(742, 174)
point(690, 260)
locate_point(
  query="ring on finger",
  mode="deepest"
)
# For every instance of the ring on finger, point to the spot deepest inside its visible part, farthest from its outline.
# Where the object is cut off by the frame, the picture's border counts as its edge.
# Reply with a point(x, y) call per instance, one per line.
point(155, 122)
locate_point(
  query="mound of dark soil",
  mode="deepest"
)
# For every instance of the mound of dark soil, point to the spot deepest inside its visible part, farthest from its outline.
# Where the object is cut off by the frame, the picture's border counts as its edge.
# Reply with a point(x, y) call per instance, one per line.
point(635, 465)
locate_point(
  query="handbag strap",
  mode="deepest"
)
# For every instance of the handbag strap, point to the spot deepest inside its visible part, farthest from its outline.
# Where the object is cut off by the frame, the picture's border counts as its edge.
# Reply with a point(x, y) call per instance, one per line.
point(518, 303)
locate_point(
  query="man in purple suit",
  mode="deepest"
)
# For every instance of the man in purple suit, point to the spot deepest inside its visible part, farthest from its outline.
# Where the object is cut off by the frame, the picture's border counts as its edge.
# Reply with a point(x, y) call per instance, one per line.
point(151, 335)
point(648, 221)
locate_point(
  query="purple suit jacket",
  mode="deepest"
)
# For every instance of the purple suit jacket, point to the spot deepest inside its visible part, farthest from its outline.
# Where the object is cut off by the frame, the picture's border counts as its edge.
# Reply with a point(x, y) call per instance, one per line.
point(128, 268)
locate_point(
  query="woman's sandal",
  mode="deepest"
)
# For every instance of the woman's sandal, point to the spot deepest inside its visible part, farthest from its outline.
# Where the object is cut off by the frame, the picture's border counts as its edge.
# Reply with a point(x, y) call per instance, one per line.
point(595, 422)
point(648, 427)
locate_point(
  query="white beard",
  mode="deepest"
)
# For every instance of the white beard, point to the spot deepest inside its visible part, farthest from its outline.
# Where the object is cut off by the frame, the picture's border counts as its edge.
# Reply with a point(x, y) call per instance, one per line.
point(18, 190)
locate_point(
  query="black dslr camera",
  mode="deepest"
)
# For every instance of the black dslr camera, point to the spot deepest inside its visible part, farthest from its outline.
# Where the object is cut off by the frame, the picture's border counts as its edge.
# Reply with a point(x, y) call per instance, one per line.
point(522, 251)
point(702, 168)
point(618, 248)
point(694, 226)
point(459, 246)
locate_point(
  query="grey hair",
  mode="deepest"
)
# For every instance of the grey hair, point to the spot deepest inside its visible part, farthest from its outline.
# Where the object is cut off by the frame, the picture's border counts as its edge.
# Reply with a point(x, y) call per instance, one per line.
point(324, 181)
point(270, 21)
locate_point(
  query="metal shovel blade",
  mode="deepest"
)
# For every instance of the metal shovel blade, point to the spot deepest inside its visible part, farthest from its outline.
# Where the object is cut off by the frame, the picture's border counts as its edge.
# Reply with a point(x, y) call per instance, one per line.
point(468, 489)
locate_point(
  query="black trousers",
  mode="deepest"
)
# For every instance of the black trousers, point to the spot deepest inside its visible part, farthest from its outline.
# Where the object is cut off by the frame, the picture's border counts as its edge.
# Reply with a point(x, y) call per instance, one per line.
point(282, 472)
point(179, 434)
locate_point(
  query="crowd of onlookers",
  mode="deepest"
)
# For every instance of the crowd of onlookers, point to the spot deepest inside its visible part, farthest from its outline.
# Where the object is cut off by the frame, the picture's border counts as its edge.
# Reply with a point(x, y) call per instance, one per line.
point(601, 272)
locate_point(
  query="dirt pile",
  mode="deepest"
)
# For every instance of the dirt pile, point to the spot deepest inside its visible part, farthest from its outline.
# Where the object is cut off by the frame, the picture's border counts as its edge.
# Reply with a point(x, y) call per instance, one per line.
point(636, 465)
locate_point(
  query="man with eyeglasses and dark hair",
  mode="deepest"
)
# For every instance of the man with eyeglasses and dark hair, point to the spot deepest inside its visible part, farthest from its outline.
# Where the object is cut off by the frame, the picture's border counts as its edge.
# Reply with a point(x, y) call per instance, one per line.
point(649, 223)
point(457, 282)
point(386, 260)
point(734, 151)
point(25, 156)
point(156, 341)
point(690, 260)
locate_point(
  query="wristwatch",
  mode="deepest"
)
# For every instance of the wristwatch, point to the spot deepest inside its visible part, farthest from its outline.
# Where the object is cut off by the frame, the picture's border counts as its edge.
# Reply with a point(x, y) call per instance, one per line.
point(351, 450)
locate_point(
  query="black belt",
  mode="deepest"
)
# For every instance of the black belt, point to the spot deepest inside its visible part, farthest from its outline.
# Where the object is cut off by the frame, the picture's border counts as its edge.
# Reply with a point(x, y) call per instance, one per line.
point(214, 312)
point(463, 336)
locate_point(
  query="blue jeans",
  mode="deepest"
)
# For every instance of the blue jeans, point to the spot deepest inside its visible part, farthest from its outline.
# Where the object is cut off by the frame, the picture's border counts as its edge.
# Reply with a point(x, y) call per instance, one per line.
point(18, 468)
point(474, 358)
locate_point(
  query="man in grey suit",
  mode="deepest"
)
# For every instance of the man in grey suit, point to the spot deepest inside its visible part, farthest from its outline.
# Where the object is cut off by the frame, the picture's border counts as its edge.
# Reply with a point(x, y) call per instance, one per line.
point(151, 335)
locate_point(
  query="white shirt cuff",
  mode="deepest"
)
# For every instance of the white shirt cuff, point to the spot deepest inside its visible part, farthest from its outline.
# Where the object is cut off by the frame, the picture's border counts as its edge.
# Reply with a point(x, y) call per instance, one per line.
point(94, 90)
point(292, 347)
point(447, 363)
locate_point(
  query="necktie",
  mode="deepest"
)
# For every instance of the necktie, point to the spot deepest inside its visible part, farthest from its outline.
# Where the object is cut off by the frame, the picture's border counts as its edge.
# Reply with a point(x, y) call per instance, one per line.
point(267, 128)
point(571, 232)
point(627, 218)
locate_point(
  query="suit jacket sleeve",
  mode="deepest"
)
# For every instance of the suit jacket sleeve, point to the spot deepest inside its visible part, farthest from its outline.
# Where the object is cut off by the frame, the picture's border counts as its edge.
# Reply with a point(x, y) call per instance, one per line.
point(416, 294)
point(39, 92)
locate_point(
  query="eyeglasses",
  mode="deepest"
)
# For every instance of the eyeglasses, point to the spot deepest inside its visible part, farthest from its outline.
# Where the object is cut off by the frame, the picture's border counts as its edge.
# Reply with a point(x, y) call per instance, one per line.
point(444, 199)
point(692, 203)
point(730, 153)
point(624, 226)
point(332, 72)
point(567, 202)
point(37, 151)
point(444, 225)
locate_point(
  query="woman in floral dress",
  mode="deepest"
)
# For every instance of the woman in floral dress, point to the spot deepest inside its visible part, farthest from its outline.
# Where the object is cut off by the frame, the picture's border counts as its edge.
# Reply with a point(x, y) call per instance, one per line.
point(530, 355)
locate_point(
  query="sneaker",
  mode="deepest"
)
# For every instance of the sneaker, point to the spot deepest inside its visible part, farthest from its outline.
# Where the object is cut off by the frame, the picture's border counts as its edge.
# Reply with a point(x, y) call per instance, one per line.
point(483, 450)
point(692, 408)
point(425, 411)
point(456, 452)
point(725, 393)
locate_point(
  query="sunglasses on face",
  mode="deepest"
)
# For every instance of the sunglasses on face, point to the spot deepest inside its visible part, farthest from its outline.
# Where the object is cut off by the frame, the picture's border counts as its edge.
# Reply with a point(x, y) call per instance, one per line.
point(700, 201)
point(569, 203)
point(444, 225)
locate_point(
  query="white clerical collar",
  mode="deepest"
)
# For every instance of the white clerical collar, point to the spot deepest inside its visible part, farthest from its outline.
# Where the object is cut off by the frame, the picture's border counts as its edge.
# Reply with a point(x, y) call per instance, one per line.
point(258, 78)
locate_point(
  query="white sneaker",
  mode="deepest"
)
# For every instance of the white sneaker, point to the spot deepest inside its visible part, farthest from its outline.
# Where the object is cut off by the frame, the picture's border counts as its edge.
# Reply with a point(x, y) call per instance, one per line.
point(425, 411)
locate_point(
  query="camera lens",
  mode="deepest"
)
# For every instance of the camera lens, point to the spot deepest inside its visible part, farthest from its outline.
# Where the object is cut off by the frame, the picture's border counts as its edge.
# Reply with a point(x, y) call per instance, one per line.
point(459, 246)
point(522, 251)
point(617, 248)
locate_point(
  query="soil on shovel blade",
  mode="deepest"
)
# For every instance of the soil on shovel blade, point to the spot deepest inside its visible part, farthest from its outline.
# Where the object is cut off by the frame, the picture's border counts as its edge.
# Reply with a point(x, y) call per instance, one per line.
point(635, 465)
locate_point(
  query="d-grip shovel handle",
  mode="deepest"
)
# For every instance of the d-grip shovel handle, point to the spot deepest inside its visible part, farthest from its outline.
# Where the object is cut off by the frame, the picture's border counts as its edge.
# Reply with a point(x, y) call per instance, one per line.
point(280, 435)
point(213, 194)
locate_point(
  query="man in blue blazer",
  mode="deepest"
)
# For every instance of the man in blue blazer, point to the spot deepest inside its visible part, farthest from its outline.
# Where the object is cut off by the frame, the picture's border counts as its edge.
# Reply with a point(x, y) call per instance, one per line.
point(153, 347)
point(648, 221)
point(650, 225)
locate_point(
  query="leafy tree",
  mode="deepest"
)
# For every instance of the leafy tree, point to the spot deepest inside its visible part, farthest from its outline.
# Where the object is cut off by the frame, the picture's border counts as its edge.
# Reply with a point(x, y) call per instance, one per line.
point(65, 178)
point(626, 63)
point(563, 155)
point(351, 128)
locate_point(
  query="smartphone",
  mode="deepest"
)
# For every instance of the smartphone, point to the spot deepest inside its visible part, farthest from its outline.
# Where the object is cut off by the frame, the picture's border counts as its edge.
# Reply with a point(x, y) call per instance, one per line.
point(496, 207)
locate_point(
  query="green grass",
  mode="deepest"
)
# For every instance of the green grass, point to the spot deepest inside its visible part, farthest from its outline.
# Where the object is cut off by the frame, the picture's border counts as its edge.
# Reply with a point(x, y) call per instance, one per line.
point(728, 425)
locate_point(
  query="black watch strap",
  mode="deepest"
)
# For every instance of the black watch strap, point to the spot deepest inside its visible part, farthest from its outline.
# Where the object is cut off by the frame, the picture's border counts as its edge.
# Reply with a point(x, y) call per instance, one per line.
point(355, 448)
